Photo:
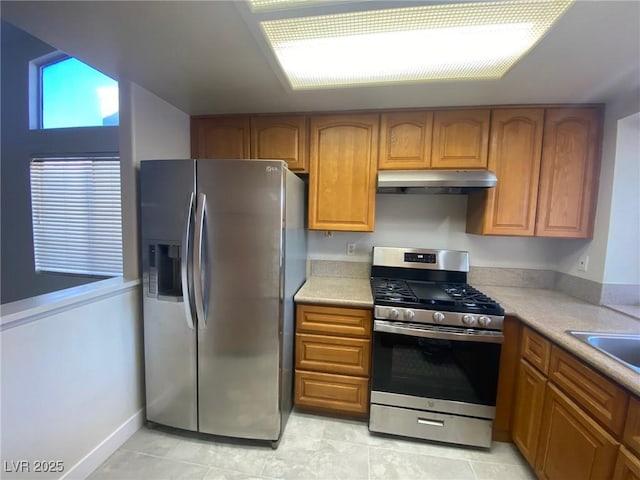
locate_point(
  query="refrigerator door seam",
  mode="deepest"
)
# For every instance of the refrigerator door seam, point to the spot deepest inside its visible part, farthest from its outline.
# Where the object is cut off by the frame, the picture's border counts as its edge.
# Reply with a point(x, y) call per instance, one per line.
point(186, 295)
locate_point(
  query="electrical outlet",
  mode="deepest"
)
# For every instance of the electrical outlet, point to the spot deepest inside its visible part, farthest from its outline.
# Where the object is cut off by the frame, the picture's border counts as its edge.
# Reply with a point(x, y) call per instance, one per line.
point(351, 248)
point(583, 263)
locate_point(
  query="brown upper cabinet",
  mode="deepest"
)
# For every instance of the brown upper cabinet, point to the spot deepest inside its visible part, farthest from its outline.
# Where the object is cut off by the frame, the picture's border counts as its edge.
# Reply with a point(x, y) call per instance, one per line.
point(547, 164)
point(547, 160)
point(220, 137)
point(569, 173)
point(342, 172)
point(460, 138)
point(514, 156)
point(281, 137)
point(405, 140)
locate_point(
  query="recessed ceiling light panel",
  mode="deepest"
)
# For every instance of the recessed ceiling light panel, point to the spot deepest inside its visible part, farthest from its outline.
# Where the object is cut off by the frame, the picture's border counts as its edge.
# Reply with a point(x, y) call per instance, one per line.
point(439, 42)
point(270, 5)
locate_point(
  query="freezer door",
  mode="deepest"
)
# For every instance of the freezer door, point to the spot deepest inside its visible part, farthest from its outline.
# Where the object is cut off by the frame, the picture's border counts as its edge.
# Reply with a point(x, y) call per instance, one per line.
point(239, 340)
point(166, 193)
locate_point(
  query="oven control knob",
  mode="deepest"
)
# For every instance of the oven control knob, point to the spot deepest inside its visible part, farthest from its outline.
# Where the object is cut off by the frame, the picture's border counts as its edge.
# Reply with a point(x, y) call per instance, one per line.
point(394, 314)
point(409, 314)
point(438, 317)
point(469, 320)
point(484, 321)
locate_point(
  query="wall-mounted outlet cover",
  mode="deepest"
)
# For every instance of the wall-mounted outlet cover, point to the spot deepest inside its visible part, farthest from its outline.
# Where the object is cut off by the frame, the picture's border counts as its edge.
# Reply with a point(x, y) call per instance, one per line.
point(351, 248)
point(583, 263)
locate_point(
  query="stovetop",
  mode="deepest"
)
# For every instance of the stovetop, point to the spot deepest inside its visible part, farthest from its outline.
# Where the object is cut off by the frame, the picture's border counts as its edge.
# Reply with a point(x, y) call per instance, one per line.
point(425, 295)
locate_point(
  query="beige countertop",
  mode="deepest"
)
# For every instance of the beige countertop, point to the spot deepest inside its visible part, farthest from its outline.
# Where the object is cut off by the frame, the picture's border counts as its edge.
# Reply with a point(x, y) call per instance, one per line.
point(339, 291)
point(552, 313)
point(549, 312)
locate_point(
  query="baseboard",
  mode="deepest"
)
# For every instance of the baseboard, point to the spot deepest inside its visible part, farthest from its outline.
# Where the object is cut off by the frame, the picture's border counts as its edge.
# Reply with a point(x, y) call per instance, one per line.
point(92, 460)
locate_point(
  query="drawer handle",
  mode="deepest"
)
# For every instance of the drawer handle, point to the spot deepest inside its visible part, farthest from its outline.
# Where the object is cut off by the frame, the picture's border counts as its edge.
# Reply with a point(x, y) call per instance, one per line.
point(431, 423)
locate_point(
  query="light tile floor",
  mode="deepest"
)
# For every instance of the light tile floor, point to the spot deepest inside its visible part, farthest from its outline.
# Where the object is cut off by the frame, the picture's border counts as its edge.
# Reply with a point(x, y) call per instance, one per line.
point(312, 447)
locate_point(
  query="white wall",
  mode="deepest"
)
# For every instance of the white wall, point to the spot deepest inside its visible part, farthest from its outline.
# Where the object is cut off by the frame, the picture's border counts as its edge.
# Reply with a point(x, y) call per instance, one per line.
point(150, 128)
point(434, 221)
point(18, 277)
point(71, 379)
point(623, 248)
point(596, 249)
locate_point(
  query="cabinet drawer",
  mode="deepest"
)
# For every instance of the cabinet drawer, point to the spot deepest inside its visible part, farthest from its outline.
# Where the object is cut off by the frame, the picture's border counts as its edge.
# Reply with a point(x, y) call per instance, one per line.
point(536, 350)
point(603, 399)
point(632, 429)
point(348, 356)
point(353, 322)
point(338, 393)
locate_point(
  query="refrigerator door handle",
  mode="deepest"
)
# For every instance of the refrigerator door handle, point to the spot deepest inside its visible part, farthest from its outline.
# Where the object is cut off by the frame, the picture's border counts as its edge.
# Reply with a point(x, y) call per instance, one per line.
point(186, 257)
point(197, 263)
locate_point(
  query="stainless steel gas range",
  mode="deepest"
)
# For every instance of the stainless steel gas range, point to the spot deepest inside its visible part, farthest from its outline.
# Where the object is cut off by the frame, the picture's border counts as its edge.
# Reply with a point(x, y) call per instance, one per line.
point(436, 348)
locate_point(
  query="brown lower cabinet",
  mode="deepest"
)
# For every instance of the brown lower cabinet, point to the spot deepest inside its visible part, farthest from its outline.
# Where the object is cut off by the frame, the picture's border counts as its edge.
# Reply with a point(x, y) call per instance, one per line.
point(572, 445)
point(530, 388)
point(627, 466)
point(570, 421)
point(329, 392)
point(332, 359)
point(632, 426)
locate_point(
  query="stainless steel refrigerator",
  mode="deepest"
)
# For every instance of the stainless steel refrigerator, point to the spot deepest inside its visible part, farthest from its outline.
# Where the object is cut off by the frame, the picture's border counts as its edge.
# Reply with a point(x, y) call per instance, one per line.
point(223, 253)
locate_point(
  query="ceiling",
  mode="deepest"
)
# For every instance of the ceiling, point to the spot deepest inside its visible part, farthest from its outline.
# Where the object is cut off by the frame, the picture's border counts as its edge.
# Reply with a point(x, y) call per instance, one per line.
point(209, 57)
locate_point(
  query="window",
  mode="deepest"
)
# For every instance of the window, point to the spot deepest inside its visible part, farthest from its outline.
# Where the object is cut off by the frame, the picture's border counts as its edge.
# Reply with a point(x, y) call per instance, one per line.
point(72, 94)
point(77, 224)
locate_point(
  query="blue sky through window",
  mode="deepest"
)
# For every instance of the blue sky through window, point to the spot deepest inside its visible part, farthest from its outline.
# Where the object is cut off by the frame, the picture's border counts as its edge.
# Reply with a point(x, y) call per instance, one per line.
point(76, 95)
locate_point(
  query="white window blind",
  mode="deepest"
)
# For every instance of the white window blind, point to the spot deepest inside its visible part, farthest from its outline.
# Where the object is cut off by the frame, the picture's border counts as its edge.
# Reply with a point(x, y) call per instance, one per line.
point(77, 222)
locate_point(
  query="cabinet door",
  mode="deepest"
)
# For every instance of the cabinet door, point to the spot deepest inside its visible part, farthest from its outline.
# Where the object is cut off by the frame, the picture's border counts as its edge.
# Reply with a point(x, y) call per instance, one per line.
point(220, 137)
point(530, 388)
point(460, 139)
point(405, 140)
point(627, 466)
point(342, 173)
point(572, 445)
point(632, 427)
point(281, 138)
point(514, 156)
point(569, 173)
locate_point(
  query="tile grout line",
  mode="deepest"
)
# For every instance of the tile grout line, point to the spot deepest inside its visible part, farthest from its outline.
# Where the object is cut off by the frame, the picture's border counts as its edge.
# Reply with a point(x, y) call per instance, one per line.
point(473, 470)
point(166, 458)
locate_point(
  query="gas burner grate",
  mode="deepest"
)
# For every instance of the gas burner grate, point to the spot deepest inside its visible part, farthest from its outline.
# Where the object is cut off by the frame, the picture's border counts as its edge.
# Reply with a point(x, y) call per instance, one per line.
point(392, 290)
point(469, 297)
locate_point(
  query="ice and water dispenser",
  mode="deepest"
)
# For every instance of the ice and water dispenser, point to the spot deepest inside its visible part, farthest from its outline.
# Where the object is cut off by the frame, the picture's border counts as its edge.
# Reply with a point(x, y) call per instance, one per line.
point(165, 272)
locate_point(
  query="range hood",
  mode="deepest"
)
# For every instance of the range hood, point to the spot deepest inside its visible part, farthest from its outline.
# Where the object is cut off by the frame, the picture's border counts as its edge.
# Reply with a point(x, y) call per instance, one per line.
point(435, 181)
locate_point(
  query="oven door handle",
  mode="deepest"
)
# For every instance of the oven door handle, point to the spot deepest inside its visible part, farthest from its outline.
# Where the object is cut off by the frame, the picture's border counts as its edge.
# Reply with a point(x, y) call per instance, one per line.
point(412, 330)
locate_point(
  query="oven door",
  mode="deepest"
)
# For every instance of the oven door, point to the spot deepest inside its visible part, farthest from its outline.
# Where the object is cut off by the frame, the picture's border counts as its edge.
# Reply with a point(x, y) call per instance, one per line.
point(436, 368)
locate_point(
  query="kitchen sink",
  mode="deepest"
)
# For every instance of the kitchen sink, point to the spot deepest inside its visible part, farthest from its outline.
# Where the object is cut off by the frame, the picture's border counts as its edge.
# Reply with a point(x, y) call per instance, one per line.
point(623, 347)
